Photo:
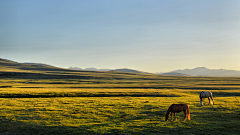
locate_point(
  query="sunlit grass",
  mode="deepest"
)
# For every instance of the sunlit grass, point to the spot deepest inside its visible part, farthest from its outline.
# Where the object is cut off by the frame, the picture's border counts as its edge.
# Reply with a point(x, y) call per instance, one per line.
point(125, 114)
point(133, 106)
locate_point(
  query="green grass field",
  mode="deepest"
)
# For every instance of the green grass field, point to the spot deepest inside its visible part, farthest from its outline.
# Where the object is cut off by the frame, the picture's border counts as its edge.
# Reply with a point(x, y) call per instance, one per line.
point(44, 100)
point(126, 106)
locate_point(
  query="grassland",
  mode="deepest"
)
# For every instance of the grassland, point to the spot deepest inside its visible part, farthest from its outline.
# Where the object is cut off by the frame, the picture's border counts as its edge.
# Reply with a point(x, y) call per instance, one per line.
point(55, 101)
point(127, 106)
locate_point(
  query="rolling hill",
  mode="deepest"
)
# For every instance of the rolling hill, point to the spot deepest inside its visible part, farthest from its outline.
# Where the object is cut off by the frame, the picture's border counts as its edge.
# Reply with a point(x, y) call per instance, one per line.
point(40, 70)
point(11, 69)
point(118, 70)
point(128, 70)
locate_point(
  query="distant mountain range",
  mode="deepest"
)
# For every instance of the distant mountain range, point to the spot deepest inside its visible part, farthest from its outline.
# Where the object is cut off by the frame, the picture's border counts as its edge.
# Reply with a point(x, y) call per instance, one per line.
point(199, 71)
point(90, 69)
point(119, 70)
point(174, 74)
point(202, 71)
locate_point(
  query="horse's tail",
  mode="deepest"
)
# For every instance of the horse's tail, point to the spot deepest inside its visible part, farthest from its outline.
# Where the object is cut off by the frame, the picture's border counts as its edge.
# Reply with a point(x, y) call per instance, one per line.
point(188, 112)
point(212, 98)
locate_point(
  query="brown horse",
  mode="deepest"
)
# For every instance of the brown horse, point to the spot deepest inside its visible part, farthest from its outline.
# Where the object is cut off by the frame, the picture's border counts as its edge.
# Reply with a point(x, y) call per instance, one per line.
point(206, 94)
point(178, 108)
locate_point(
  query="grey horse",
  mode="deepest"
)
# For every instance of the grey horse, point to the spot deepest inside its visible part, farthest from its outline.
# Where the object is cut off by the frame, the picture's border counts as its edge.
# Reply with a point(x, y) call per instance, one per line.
point(206, 94)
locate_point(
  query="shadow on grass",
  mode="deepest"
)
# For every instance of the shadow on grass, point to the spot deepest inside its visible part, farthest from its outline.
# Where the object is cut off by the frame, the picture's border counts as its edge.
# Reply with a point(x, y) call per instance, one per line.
point(9, 127)
point(226, 94)
point(25, 75)
point(221, 93)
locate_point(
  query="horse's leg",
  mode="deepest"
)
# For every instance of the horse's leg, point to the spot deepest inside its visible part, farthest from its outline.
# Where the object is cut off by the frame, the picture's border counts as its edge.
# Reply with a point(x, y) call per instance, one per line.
point(185, 114)
point(201, 101)
point(175, 116)
point(172, 116)
point(204, 100)
point(208, 101)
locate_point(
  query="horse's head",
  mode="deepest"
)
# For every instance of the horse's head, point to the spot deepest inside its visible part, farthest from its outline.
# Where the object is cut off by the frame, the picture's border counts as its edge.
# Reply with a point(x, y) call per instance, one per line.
point(166, 116)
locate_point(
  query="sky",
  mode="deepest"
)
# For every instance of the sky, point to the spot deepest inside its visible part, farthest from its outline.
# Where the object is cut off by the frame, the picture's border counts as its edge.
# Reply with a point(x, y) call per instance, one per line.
point(145, 35)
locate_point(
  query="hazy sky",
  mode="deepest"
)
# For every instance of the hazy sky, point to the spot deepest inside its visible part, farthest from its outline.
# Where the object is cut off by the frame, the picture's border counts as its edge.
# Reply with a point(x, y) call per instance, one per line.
point(146, 35)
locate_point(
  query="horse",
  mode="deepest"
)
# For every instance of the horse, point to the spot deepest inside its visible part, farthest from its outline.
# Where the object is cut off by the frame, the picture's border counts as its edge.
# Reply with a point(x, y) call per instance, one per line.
point(206, 94)
point(178, 108)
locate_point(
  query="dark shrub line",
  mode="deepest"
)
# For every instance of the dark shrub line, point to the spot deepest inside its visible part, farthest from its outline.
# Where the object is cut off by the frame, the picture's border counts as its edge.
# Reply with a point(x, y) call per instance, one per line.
point(84, 94)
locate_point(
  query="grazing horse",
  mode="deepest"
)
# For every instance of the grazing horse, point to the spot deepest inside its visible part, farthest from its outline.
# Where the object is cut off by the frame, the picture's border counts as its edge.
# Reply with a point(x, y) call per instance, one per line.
point(178, 108)
point(206, 94)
